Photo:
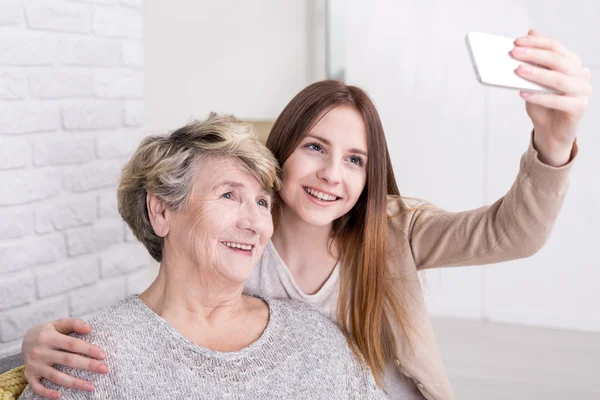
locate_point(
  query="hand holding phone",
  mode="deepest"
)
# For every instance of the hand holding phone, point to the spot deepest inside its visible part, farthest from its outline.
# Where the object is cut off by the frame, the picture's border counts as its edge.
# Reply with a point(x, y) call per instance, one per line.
point(494, 66)
point(557, 100)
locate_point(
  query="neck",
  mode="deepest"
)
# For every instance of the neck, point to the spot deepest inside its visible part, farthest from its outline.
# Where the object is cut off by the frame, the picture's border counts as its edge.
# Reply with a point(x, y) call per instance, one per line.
point(189, 295)
point(307, 250)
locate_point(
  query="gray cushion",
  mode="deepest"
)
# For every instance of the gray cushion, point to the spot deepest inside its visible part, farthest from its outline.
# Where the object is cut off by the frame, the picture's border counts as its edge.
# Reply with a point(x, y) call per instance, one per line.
point(10, 362)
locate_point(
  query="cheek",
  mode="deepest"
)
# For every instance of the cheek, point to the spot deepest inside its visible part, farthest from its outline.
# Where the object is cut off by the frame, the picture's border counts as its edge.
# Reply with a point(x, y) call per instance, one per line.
point(357, 185)
point(295, 167)
point(269, 228)
point(287, 183)
point(266, 225)
point(205, 225)
point(197, 234)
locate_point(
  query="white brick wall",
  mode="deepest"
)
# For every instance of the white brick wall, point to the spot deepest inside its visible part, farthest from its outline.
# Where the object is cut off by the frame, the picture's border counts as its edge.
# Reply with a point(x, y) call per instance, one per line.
point(71, 111)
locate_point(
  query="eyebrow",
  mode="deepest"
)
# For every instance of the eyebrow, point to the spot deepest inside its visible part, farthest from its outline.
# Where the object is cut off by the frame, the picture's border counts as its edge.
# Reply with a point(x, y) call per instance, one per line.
point(328, 143)
point(235, 184)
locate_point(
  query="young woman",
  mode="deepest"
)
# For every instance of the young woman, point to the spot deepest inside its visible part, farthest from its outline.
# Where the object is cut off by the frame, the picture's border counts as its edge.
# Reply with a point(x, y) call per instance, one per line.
point(347, 243)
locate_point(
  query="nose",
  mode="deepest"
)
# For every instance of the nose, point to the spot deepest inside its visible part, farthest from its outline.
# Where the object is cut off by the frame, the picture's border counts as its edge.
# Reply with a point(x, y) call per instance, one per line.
point(249, 220)
point(330, 172)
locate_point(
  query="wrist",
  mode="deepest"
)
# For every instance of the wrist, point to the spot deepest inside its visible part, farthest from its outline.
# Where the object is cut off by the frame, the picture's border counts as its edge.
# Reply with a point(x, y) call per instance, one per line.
point(551, 152)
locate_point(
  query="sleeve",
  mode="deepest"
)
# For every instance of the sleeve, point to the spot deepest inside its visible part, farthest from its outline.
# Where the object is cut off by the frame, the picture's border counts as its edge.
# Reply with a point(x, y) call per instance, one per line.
point(515, 226)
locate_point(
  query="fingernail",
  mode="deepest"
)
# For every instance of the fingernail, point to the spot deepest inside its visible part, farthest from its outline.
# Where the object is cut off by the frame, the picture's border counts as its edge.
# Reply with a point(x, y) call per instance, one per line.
point(56, 395)
point(103, 369)
point(100, 354)
point(524, 68)
point(523, 39)
point(525, 94)
point(520, 50)
point(89, 387)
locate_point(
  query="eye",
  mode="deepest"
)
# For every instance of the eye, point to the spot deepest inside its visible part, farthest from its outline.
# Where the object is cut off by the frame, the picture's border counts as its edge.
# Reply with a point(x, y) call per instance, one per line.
point(315, 147)
point(356, 160)
point(227, 195)
point(263, 203)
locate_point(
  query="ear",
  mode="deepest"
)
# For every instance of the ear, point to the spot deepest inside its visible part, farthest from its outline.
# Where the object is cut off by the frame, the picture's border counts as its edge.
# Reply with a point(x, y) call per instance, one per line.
point(158, 214)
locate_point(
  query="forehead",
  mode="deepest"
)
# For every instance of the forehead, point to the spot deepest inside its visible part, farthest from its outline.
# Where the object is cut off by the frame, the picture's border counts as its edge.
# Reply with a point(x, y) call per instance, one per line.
point(213, 172)
point(343, 126)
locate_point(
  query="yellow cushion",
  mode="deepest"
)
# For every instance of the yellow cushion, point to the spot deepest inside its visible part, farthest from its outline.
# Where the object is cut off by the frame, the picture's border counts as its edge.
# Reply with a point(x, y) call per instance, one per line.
point(12, 383)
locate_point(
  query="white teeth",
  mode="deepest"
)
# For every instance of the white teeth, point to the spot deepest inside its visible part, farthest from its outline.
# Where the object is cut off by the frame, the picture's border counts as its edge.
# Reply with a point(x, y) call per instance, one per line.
point(320, 195)
point(238, 245)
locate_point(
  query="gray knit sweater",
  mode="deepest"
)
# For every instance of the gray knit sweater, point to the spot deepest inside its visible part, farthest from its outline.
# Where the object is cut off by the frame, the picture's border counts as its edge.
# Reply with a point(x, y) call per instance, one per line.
point(300, 355)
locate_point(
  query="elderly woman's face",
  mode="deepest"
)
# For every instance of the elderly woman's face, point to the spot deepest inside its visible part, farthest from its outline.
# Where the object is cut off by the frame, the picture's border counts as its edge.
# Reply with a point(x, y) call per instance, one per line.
point(227, 221)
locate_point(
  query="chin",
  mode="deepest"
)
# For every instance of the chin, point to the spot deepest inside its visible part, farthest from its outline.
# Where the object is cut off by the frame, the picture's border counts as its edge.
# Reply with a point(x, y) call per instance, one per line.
point(318, 220)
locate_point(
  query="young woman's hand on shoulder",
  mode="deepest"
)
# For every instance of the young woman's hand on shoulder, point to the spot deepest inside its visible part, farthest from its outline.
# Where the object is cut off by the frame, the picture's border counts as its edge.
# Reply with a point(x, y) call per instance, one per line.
point(555, 117)
point(50, 344)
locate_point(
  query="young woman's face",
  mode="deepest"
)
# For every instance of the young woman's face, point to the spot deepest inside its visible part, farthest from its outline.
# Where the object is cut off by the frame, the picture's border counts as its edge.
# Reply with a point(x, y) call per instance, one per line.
point(324, 177)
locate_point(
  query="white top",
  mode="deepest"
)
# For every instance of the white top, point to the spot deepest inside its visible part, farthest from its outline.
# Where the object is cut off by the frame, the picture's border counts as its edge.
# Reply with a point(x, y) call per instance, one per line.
point(272, 278)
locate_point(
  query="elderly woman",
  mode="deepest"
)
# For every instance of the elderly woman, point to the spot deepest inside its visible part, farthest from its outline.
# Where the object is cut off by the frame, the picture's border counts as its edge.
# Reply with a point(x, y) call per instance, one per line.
point(199, 200)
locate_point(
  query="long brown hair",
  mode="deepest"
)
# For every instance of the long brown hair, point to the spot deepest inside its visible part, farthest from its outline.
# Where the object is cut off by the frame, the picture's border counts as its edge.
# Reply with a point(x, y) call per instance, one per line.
point(368, 309)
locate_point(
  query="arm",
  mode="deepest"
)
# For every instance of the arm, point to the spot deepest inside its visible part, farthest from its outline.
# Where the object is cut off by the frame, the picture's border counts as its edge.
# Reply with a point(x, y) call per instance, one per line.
point(518, 224)
point(515, 226)
point(50, 344)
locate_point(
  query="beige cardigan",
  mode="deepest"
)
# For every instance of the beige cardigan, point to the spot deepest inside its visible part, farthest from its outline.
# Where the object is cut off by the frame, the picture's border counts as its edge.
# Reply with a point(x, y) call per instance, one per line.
point(516, 226)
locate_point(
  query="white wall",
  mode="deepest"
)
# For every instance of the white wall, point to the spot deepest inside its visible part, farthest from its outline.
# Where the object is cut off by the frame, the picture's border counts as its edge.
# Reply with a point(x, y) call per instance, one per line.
point(457, 144)
point(71, 108)
point(73, 82)
point(246, 58)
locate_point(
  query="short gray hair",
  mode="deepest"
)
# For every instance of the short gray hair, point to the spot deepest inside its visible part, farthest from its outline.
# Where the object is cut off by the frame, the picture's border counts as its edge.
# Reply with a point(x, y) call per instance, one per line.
point(164, 166)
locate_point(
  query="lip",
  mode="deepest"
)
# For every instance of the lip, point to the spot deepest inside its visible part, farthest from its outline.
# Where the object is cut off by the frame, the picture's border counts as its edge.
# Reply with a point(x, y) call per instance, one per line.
point(322, 191)
point(319, 202)
point(247, 253)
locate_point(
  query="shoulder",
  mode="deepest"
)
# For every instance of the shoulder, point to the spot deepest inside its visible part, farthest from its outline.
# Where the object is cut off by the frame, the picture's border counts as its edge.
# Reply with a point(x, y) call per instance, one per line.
point(305, 319)
point(112, 329)
point(108, 323)
point(304, 329)
point(403, 211)
point(400, 211)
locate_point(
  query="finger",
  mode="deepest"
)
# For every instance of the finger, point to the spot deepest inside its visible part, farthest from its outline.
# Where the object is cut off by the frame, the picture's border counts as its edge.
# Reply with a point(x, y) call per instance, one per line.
point(42, 390)
point(68, 325)
point(61, 379)
point(571, 105)
point(555, 80)
point(551, 60)
point(81, 327)
point(79, 346)
point(74, 361)
point(547, 43)
point(587, 74)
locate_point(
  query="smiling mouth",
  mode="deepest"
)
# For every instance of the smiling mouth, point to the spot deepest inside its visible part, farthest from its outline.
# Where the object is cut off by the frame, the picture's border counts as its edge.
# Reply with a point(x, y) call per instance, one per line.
point(320, 195)
point(239, 246)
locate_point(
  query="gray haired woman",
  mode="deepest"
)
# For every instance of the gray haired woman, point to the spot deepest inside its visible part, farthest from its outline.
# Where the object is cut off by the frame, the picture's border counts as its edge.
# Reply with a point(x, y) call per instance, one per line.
point(199, 200)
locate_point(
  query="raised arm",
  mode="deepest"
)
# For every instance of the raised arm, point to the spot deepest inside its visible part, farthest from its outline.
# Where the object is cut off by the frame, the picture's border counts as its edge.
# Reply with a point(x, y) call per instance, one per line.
point(515, 226)
point(518, 224)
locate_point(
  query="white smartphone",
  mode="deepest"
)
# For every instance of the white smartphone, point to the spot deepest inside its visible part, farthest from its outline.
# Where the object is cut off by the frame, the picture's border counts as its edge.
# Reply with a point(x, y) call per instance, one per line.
point(493, 64)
